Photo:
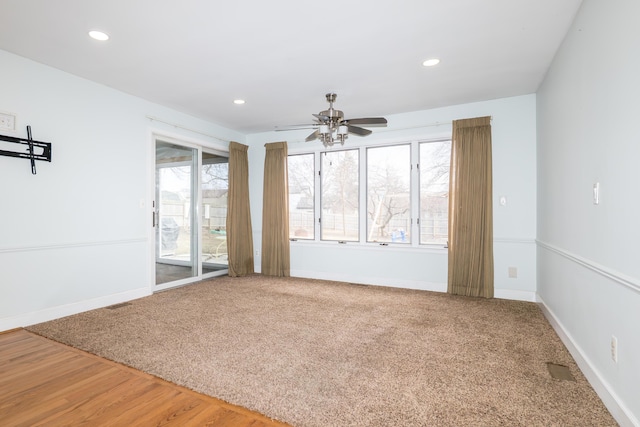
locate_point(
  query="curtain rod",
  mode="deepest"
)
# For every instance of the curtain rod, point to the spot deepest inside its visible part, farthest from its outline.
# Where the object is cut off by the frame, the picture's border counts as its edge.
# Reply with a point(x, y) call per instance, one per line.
point(155, 119)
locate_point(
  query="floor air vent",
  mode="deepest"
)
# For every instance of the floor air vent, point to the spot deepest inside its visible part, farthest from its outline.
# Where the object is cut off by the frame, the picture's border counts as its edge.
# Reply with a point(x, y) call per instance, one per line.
point(560, 372)
point(122, 304)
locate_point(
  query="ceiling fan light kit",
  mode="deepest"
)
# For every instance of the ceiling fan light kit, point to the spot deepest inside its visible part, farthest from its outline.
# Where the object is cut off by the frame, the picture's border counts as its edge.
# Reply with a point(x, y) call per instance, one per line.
point(329, 136)
point(331, 127)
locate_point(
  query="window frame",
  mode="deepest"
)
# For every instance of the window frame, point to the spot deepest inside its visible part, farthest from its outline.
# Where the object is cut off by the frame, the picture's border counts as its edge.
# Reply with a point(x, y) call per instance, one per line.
point(411, 179)
point(363, 220)
point(419, 196)
point(314, 230)
point(359, 180)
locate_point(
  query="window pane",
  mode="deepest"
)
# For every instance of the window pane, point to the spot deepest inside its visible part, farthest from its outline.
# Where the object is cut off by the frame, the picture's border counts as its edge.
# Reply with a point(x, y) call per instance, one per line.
point(389, 194)
point(215, 189)
point(301, 196)
point(339, 201)
point(435, 159)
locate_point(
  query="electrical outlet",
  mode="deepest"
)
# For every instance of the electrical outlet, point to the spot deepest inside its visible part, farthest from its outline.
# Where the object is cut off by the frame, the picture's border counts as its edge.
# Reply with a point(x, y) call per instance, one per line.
point(257, 254)
point(513, 272)
point(7, 122)
point(614, 348)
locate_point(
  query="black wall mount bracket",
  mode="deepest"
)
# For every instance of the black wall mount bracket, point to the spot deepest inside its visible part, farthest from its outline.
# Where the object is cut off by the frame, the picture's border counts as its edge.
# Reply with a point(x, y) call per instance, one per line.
point(35, 150)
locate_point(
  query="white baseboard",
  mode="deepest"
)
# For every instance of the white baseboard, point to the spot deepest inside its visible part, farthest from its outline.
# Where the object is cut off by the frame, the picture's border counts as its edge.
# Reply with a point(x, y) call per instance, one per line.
point(622, 415)
point(515, 295)
point(379, 281)
point(57, 312)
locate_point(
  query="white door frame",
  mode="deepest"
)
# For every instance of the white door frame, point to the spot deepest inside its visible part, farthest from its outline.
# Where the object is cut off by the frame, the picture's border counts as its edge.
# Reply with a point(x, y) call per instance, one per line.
point(199, 146)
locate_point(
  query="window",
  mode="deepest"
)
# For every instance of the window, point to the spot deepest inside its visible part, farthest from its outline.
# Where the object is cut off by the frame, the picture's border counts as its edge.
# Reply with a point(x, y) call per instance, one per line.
point(435, 158)
point(301, 196)
point(339, 201)
point(399, 195)
point(389, 194)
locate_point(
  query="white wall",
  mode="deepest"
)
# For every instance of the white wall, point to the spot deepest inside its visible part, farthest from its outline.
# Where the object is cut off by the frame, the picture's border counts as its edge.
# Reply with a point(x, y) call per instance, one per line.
point(588, 258)
point(75, 236)
point(514, 176)
point(64, 250)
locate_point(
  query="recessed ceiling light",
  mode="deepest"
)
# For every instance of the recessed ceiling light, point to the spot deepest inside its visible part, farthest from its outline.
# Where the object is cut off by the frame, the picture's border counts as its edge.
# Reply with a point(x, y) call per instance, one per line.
point(98, 35)
point(431, 62)
point(238, 101)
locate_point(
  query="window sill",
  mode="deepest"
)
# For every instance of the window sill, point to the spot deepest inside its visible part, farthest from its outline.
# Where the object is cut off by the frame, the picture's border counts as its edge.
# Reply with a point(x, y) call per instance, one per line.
point(394, 247)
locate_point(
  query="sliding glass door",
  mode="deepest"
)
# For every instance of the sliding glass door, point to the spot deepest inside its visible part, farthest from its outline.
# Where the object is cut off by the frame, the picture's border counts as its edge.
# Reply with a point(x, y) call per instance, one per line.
point(215, 186)
point(189, 213)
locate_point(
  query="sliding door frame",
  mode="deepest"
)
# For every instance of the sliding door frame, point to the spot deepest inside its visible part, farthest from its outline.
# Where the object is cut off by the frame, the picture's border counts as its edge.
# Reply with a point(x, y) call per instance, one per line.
point(200, 147)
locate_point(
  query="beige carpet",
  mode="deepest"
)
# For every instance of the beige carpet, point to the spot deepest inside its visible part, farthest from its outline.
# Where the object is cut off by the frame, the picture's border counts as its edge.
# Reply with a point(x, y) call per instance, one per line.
point(317, 353)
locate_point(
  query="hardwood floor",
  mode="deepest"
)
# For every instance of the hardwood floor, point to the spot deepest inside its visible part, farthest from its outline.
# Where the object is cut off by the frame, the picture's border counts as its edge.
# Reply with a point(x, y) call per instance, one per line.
point(45, 383)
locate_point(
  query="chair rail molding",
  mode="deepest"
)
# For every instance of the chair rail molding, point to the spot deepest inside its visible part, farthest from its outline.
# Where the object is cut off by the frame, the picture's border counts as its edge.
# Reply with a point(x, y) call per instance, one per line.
point(616, 276)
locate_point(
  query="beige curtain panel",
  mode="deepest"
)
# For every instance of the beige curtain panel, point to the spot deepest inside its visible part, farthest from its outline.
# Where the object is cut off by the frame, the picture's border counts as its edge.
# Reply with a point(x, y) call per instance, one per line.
point(275, 212)
point(471, 209)
point(239, 233)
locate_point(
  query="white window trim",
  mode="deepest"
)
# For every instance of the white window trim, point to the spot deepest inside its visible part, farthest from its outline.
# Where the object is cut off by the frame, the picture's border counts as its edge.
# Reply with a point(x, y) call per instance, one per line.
point(362, 180)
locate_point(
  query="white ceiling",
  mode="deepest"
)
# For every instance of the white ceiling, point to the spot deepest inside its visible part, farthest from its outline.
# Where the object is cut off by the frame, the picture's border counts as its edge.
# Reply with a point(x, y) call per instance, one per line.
point(282, 56)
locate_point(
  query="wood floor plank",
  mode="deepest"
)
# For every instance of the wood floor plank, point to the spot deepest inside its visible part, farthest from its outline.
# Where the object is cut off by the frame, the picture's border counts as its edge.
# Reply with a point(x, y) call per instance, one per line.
point(41, 372)
point(171, 411)
point(25, 353)
point(44, 383)
point(119, 407)
point(42, 392)
point(102, 408)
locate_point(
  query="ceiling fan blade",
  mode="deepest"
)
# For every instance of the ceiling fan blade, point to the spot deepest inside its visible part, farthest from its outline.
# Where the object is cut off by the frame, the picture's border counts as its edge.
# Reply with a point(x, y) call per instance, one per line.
point(295, 127)
point(313, 136)
point(323, 118)
point(368, 121)
point(358, 130)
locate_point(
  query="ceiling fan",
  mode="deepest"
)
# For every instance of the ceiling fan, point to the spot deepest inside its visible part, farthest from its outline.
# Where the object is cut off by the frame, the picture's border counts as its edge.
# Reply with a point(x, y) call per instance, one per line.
point(331, 126)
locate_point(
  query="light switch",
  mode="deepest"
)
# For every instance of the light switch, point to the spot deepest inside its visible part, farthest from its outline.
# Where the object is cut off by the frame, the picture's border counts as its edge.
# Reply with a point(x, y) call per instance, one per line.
point(596, 193)
point(503, 200)
point(7, 122)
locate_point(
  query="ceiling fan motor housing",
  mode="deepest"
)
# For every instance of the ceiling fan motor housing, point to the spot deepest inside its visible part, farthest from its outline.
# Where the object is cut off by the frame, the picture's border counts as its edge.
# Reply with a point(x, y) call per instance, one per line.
point(332, 115)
